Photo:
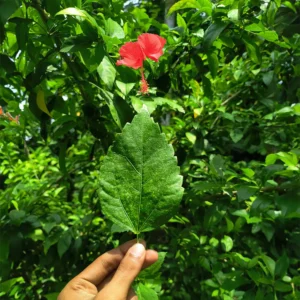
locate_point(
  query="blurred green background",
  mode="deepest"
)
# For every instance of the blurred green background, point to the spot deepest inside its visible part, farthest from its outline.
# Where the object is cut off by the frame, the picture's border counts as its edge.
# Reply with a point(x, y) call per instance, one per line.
point(226, 93)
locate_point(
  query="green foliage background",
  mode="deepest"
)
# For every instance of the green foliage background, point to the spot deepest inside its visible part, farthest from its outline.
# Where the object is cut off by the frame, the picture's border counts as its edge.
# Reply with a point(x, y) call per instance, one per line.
point(226, 94)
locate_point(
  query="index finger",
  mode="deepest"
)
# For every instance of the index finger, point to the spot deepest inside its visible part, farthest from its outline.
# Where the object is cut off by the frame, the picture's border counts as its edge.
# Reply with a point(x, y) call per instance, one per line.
point(105, 264)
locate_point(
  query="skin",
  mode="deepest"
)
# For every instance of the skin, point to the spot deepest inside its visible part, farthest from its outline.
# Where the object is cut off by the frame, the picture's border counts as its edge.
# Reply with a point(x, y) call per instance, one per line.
point(110, 276)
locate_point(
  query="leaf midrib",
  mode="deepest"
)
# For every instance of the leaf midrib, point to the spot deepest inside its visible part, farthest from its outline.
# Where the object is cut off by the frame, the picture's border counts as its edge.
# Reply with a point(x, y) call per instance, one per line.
point(142, 180)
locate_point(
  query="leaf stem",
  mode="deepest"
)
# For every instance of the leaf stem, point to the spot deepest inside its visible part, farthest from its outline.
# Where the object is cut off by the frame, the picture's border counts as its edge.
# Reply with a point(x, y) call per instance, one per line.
point(137, 238)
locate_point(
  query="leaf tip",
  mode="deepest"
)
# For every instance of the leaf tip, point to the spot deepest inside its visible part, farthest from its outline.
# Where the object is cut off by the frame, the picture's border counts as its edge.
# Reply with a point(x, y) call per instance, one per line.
point(145, 108)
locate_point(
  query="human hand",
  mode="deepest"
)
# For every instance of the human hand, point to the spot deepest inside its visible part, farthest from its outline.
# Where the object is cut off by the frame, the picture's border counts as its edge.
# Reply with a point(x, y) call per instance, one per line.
point(110, 276)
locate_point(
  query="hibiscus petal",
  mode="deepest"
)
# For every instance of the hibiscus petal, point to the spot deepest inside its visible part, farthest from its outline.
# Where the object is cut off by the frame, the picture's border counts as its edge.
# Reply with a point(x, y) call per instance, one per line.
point(132, 55)
point(152, 45)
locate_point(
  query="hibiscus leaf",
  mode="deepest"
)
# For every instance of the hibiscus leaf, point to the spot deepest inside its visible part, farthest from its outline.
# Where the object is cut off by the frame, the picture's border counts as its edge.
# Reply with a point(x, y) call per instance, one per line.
point(140, 185)
point(200, 5)
point(113, 29)
point(107, 72)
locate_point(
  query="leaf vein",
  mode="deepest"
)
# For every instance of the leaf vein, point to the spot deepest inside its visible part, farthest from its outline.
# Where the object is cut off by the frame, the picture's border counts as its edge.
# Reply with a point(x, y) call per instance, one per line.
point(129, 162)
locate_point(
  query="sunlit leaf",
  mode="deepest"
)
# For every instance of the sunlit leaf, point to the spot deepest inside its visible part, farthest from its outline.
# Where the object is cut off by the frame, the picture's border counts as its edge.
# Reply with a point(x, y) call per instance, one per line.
point(40, 100)
point(201, 5)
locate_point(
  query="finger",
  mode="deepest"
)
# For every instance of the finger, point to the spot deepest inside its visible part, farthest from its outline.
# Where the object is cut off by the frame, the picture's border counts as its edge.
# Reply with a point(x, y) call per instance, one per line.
point(105, 264)
point(151, 258)
point(128, 269)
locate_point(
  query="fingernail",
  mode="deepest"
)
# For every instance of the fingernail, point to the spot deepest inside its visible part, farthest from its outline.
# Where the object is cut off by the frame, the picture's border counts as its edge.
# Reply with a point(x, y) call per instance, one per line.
point(137, 250)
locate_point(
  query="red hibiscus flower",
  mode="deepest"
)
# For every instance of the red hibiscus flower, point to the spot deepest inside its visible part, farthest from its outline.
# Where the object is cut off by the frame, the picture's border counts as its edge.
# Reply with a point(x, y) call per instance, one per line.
point(152, 45)
point(133, 54)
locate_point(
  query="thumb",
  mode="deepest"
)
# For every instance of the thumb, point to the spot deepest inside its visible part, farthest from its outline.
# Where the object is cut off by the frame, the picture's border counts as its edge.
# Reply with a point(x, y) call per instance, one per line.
point(127, 271)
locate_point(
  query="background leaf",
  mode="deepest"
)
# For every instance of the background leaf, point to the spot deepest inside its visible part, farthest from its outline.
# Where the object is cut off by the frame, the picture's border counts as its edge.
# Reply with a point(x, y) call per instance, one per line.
point(212, 32)
point(146, 293)
point(202, 6)
point(40, 100)
point(107, 72)
point(225, 94)
point(64, 243)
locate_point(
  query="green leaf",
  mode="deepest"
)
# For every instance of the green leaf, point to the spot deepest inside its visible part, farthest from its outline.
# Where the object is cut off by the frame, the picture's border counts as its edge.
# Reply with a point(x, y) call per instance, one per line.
point(213, 63)
point(113, 29)
point(139, 178)
point(290, 159)
point(7, 8)
point(153, 271)
point(70, 3)
point(107, 72)
point(49, 226)
point(152, 103)
point(52, 296)
point(270, 264)
point(40, 101)
point(207, 87)
point(181, 22)
point(22, 34)
point(53, 6)
point(214, 242)
point(282, 265)
point(233, 15)
point(201, 5)
point(268, 230)
point(233, 281)
point(227, 243)
point(217, 164)
point(139, 103)
point(6, 286)
point(283, 287)
point(64, 243)
point(207, 186)
point(290, 5)
point(191, 137)
point(17, 216)
point(169, 102)
point(91, 57)
point(145, 293)
point(125, 88)
point(289, 204)
point(252, 49)
point(271, 159)
point(248, 172)
point(241, 260)
point(108, 97)
point(268, 35)
point(296, 107)
point(245, 192)
point(236, 135)
point(261, 203)
point(255, 27)
point(72, 11)
point(116, 228)
point(229, 225)
point(74, 44)
point(52, 239)
point(212, 33)
point(271, 12)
